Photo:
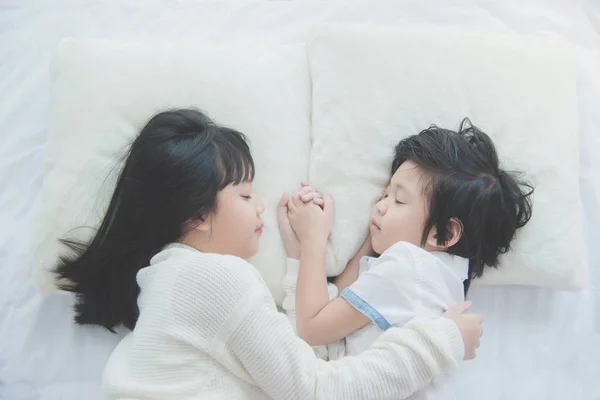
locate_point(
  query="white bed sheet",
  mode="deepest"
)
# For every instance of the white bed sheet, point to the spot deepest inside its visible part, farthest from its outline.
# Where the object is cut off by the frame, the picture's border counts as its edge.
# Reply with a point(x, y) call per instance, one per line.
point(538, 343)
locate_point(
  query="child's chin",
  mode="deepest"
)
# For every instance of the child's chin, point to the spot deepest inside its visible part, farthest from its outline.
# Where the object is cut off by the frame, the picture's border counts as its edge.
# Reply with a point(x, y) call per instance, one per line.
point(377, 248)
point(250, 252)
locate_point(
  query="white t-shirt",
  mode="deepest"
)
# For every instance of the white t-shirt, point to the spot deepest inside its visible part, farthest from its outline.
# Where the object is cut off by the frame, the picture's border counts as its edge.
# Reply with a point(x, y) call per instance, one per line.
point(404, 282)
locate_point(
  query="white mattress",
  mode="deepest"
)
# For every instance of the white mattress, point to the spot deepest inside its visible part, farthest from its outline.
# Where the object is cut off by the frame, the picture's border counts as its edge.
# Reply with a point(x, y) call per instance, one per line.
point(538, 343)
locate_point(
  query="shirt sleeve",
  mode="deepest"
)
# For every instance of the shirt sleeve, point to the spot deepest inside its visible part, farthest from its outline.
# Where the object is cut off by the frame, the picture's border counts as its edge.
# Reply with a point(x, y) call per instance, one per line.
point(400, 362)
point(390, 291)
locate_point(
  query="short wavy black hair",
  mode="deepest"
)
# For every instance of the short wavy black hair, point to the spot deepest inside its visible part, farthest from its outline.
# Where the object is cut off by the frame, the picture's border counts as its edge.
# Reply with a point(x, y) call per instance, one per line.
point(465, 181)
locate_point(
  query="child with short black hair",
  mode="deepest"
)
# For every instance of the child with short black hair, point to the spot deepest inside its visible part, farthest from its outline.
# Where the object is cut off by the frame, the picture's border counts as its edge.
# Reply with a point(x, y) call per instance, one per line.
point(449, 210)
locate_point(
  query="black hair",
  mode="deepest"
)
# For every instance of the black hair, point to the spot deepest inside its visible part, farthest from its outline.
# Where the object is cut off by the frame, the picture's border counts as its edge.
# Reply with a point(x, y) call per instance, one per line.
point(465, 181)
point(171, 176)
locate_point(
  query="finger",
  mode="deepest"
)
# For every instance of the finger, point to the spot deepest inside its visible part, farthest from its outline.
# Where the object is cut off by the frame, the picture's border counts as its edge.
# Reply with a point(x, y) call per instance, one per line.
point(328, 204)
point(296, 200)
point(304, 183)
point(306, 189)
point(282, 207)
point(319, 201)
point(473, 349)
point(283, 201)
point(465, 306)
point(291, 205)
point(310, 196)
point(303, 192)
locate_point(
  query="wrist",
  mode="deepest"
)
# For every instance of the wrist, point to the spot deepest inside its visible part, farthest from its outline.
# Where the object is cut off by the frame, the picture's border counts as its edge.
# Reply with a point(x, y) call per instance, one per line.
point(313, 244)
point(293, 254)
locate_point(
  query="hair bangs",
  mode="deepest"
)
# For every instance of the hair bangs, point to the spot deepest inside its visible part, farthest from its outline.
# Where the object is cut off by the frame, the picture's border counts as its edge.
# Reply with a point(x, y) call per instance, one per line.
point(234, 159)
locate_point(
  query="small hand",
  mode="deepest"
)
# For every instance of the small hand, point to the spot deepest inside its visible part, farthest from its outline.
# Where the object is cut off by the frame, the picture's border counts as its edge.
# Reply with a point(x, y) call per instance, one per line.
point(309, 193)
point(469, 326)
point(289, 237)
point(290, 240)
point(309, 221)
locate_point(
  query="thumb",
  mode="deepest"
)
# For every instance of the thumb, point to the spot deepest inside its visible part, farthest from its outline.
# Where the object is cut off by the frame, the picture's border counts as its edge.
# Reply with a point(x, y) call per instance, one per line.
point(459, 308)
point(283, 201)
point(282, 208)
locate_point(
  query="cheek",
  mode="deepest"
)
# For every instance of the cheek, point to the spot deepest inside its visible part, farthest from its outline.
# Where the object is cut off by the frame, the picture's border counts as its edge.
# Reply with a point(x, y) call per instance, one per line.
point(224, 215)
point(403, 224)
point(227, 223)
point(243, 219)
point(236, 231)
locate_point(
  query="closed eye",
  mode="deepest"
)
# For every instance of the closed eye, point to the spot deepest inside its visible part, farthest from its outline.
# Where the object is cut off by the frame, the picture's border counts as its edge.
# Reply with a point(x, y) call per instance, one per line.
point(247, 197)
point(399, 202)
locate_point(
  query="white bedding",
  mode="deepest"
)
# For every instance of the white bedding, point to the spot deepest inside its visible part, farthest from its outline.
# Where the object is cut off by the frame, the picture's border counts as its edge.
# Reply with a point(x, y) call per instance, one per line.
point(538, 343)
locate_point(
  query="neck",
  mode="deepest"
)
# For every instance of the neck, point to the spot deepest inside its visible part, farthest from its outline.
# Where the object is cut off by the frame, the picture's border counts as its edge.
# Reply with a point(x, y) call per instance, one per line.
point(192, 239)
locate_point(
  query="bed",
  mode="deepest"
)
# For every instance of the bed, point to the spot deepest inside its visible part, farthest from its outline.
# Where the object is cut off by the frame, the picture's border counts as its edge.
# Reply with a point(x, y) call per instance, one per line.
point(539, 343)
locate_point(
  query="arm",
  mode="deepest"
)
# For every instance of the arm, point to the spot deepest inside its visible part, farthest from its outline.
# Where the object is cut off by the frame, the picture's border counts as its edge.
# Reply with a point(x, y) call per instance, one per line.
point(350, 273)
point(333, 322)
point(389, 293)
point(292, 278)
point(292, 247)
point(400, 362)
point(318, 321)
point(289, 301)
point(311, 292)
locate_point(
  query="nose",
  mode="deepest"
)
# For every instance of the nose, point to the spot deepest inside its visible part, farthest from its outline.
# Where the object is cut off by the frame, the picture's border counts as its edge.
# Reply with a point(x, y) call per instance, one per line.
point(381, 207)
point(260, 208)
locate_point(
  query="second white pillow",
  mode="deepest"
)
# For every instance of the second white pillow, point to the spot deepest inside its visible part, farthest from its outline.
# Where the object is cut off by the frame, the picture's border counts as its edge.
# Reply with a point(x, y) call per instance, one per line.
point(373, 86)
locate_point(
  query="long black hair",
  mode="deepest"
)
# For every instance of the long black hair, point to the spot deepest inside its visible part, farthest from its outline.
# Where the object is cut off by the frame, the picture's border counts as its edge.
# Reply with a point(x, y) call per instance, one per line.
point(171, 176)
point(467, 183)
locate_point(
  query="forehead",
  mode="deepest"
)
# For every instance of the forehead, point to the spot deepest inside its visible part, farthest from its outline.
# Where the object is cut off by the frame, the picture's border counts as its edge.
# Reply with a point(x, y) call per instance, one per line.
point(409, 176)
point(234, 190)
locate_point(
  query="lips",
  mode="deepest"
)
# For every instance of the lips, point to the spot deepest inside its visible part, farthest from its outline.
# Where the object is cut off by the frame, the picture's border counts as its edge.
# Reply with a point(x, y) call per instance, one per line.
point(259, 229)
point(374, 224)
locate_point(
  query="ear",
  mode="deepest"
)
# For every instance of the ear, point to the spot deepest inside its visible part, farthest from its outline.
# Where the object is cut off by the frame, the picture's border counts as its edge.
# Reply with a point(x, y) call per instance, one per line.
point(454, 229)
point(199, 224)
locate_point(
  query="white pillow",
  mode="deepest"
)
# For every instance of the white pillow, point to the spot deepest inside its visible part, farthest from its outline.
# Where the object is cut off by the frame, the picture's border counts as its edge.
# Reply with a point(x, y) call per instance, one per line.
point(102, 93)
point(372, 86)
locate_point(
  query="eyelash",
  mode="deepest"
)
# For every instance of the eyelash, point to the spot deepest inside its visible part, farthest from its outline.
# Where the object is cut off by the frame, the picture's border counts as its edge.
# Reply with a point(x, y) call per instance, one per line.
point(247, 197)
point(384, 195)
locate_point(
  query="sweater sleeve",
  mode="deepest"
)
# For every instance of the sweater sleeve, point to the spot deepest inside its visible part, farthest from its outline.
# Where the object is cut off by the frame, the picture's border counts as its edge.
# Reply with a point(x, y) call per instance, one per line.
point(400, 362)
point(289, 305)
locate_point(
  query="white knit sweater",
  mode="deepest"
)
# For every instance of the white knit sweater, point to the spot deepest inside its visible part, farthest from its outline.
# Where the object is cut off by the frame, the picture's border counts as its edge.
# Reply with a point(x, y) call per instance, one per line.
point(209, 329)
